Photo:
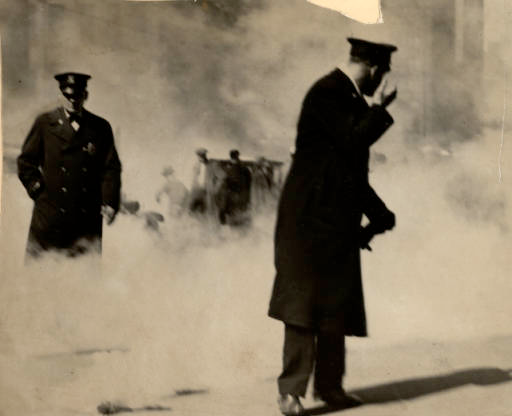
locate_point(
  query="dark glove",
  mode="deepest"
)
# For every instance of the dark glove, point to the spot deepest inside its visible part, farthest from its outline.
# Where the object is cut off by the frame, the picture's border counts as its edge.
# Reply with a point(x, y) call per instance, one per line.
point(379, 225)
point(35, 189)
point(384, 222)
point(365, 236)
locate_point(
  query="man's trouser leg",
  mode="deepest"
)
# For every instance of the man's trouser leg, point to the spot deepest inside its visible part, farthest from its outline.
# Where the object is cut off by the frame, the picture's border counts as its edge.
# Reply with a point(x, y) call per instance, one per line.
point(298, 360)
point(330, 361)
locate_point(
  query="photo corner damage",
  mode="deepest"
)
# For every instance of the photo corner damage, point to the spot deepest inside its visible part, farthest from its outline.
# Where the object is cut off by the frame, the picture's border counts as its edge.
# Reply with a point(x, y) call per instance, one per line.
point(363, 11)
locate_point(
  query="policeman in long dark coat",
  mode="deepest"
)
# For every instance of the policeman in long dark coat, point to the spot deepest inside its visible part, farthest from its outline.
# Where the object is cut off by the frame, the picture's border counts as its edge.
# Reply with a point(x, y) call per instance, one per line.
point(70, 168)
point(317, 291)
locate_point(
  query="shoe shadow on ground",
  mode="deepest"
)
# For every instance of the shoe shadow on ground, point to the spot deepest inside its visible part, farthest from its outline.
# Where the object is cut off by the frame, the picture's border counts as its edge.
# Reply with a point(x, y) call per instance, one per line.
point(422, 386)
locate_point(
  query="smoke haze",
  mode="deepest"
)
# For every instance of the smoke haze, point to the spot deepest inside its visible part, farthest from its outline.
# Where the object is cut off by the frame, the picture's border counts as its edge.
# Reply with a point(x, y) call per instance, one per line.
point(186, 308)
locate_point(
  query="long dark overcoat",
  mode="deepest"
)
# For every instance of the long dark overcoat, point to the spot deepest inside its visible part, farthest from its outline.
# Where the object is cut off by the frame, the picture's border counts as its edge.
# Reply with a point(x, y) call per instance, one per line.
point(78, 172)
point(318, 281)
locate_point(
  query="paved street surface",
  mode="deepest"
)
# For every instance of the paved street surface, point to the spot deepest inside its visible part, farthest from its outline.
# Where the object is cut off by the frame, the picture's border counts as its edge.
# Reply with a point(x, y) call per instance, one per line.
point(180, 323)
point(469, 377)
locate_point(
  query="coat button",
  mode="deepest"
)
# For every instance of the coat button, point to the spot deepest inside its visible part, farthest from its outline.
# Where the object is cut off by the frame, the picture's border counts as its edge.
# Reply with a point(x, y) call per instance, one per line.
point(84, 169)
point(63, 210)
point(64, 189)
point(63, 169)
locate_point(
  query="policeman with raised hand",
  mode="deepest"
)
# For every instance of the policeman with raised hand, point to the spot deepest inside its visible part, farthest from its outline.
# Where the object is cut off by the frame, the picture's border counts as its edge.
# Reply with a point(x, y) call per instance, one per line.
point(317, 290)
point(70, 168)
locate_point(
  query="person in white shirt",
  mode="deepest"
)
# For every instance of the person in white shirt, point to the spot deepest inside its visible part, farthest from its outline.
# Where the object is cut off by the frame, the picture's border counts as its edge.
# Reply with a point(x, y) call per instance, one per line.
point(172, 192)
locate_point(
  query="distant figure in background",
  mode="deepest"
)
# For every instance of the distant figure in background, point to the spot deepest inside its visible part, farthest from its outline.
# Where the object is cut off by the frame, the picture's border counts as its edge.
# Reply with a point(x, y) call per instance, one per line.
point(198, 197)
point(128, 206)
point(70, 168)
point(236, 195)
point(262, 182)
point(318, 291)
point(131, 207)
point(173, 191)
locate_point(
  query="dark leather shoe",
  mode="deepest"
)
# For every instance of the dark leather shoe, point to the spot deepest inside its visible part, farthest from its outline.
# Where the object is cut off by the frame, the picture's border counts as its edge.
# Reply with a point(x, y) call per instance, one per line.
point(338, 398)
point(290, 405)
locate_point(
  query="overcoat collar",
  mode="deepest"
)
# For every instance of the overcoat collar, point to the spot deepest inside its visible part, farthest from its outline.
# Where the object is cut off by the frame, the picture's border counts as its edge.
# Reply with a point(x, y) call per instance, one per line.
point(343, 78)
point(352, 80)
point(61, 127)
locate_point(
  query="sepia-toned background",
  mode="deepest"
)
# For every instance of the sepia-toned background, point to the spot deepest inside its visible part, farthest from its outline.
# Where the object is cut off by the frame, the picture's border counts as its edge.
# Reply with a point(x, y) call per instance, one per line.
point(185, 310)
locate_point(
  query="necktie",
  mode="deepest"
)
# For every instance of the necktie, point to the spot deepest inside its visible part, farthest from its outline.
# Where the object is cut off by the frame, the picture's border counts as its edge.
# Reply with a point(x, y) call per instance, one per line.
point(74, 120)
point(74, 117)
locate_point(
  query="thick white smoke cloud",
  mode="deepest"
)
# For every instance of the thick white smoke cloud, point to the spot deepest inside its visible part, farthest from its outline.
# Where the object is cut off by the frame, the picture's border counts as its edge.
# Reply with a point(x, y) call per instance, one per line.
point(186, 308)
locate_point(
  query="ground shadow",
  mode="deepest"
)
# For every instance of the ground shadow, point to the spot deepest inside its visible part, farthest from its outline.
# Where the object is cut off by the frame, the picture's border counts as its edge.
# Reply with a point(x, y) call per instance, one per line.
point(113, 408)
point(85, 352)
point(422, 386)
point(109, 408)
point(186, 392)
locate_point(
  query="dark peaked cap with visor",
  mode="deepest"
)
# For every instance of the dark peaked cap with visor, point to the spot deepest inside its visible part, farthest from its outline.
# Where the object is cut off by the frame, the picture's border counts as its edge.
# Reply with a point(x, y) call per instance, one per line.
point(372, 53)
point(72, 82)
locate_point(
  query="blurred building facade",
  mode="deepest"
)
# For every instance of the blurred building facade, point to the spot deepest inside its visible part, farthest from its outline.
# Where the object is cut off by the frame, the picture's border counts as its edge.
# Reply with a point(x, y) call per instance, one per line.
point(456, 51)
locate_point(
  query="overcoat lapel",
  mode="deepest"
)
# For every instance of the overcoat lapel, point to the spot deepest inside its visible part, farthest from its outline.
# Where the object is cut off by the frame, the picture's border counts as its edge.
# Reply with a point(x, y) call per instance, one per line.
point(61, 128)
point(85, 138)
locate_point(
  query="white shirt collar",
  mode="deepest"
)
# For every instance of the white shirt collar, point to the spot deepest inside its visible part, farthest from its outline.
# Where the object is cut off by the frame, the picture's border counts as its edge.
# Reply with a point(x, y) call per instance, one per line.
point(74, 124)
point(68, 113)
